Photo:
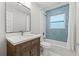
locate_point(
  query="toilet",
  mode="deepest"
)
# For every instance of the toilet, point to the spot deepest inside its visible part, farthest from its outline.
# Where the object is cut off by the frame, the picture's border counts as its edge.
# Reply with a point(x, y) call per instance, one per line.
point(45, 46)
point(46, 49)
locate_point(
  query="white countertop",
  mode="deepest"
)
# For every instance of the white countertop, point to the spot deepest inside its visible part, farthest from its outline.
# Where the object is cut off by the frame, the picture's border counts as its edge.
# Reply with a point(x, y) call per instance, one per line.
point(17, 39)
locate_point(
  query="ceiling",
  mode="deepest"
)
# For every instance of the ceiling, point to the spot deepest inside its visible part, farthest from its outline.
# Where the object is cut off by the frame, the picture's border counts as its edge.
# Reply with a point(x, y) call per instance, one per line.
point(49, 5)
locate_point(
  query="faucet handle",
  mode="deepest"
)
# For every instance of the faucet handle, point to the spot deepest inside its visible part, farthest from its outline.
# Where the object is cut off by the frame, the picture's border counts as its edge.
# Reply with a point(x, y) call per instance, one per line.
point(21, 32)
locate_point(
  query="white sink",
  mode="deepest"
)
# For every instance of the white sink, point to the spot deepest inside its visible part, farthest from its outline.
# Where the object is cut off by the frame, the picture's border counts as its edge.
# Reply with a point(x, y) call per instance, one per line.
point(17, 39)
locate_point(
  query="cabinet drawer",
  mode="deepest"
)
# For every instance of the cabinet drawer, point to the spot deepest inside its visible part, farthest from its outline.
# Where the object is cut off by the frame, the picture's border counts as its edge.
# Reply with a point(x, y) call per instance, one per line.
point(26, 44)
point(35, 41)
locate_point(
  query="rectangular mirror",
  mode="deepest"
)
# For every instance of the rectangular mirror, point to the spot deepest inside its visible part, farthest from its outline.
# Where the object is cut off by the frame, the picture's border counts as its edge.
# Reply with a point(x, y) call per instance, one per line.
point(18, 17)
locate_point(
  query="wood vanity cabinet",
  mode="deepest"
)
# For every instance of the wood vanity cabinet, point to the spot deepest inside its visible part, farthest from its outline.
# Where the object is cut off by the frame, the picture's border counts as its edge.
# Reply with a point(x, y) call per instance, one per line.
point(29, 48)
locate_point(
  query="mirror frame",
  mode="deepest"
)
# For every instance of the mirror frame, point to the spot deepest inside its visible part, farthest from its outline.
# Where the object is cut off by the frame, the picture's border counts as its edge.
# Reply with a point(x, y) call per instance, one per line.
point(25, 23)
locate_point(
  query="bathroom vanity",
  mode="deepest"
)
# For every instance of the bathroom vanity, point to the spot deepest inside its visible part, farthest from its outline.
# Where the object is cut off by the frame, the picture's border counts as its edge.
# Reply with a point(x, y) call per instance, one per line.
point(19, 42)
point(23, 47)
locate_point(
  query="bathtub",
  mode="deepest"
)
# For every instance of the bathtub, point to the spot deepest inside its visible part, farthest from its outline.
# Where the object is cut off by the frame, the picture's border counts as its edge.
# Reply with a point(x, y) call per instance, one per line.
point(56, 48)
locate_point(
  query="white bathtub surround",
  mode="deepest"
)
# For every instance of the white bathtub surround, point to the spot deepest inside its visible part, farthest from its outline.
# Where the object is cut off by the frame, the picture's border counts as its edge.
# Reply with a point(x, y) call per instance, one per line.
point(57, 51)
point(17, 38)
point(55, 42)
point(55, 48)
point(72, 27)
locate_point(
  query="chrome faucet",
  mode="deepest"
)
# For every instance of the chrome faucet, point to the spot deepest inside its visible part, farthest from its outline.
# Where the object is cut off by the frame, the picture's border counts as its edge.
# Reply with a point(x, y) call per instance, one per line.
point(21, 32)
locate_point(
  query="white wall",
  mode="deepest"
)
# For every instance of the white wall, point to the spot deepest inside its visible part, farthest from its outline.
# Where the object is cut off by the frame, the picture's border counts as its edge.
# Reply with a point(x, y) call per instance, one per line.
point(35, 18)
point(2, 29)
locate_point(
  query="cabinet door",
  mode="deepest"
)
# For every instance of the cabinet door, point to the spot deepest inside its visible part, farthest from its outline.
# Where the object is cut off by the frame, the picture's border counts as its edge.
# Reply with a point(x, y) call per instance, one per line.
point(25, 51)
point(34, 50)
point(25, 48)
